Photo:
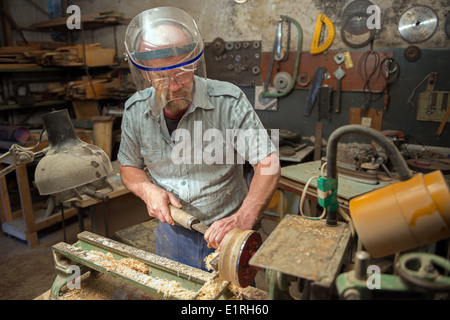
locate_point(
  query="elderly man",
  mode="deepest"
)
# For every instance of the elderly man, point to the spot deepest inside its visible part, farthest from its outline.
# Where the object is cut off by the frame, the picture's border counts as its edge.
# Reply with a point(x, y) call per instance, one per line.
point(192, 134)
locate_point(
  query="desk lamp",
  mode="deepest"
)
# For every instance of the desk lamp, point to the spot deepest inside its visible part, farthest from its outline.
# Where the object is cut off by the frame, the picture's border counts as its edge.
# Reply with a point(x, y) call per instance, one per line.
point(69, 163)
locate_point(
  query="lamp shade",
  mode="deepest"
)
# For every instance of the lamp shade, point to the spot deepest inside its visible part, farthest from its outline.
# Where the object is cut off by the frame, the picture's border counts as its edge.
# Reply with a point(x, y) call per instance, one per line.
point(69, 162)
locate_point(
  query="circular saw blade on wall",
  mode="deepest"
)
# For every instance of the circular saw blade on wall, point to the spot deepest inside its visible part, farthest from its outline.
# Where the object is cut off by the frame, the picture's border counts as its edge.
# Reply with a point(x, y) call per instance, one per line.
point(417, 24)
point(356, 13)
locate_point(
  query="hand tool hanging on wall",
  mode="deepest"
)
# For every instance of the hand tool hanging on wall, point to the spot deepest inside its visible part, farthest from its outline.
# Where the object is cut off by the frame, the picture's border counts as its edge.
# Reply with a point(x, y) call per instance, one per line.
point(317, 46)
point(318, 76)
point(267, 94)
point(325, 102)
point(431, 77)
point(339, 74)
point(237, 248)
point(445, 118)
point(282, 55)
point(390, 71)
point(369, 69)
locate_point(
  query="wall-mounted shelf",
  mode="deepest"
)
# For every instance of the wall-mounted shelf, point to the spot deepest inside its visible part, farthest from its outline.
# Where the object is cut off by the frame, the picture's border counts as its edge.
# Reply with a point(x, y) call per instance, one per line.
point(35, 105)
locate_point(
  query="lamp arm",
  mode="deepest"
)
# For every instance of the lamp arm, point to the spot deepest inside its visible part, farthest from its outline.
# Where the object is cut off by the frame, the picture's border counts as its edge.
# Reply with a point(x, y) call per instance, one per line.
point(21, 155)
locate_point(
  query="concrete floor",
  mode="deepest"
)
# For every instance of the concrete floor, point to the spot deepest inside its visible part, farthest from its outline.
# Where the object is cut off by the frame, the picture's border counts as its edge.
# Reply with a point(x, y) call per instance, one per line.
point(27, 273)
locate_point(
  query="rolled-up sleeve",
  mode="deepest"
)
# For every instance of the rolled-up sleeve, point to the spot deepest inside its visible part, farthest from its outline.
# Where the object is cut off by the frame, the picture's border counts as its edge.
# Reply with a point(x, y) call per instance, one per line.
point(250, 132)
point(129, 151)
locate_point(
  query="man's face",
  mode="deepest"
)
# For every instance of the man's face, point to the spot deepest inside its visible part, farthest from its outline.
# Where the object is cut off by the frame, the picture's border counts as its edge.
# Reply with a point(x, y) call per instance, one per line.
point(174, 88)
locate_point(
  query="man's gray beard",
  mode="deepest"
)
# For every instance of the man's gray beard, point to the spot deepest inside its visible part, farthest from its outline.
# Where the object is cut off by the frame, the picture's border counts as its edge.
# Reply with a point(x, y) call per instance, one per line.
point(178, 105)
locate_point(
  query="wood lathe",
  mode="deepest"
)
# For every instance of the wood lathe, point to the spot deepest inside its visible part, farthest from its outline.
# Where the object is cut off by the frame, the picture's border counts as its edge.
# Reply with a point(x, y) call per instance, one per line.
point(119, 267)
point(238, 247)
point(159, 277)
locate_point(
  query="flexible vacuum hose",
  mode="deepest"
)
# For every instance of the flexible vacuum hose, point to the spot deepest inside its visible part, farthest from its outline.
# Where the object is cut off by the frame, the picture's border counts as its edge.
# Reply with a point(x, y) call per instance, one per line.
point(388, 146)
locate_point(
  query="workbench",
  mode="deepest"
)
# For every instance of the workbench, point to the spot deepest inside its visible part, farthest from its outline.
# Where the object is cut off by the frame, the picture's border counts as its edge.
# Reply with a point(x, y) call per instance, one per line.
point(26, 223)
point(295, 177)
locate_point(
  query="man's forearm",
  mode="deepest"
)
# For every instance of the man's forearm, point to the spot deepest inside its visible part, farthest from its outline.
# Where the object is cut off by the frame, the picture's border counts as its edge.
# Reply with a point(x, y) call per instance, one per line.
point(135, 180)
point(156, 199)
point(262, 188)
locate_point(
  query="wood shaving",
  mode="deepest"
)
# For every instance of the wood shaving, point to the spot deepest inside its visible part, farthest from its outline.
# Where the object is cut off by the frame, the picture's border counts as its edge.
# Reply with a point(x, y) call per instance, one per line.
point(127, 268)
point(138, 271)
point(209, 258)
point(212, 289)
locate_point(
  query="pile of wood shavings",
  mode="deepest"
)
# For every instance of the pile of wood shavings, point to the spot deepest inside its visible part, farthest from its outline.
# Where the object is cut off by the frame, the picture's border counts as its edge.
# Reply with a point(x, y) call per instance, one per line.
point(211, 289)
point(209, 258)
point(136, 271)
point(126, 262)
point(214, 286)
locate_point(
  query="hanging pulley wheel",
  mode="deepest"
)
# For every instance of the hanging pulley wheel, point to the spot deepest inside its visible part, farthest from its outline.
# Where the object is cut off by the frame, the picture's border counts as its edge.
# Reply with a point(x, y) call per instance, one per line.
point(282, 81)
point(218, 46)
point(412, 53)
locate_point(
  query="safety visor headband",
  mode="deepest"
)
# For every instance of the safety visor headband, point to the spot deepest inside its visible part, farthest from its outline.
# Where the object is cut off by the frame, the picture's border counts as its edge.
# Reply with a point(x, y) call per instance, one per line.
point(165, 53)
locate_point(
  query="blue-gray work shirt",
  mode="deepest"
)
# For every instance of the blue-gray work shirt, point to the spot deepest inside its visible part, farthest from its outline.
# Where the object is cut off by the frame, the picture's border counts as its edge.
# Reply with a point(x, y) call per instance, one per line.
point(208, 190)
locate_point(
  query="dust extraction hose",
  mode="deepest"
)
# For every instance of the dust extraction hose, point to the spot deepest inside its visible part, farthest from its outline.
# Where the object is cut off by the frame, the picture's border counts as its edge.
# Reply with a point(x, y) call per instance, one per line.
point(391, 151)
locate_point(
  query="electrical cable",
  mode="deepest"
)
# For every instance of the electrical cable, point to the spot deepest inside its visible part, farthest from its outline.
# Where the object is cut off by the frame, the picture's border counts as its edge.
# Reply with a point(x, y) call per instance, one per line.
point(344, 215)
point(370, 74)
point(302, 199)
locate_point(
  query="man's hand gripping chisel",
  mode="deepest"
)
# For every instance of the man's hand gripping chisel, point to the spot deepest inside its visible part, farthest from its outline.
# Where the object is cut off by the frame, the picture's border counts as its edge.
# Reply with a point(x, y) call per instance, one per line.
point(237, 248)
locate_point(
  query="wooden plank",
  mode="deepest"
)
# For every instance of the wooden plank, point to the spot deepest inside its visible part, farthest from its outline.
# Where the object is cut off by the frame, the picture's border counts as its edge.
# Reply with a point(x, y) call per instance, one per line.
point(99, 56)
point(433, 105)
point(6, 26)
point(18, 49)
point(18, 65)
point(103, 126)
point(5, 211)
point(85, 110)
point(373, 118)
point(42, 222)
point(318, 141)
point(17, 227)
point(27, 205)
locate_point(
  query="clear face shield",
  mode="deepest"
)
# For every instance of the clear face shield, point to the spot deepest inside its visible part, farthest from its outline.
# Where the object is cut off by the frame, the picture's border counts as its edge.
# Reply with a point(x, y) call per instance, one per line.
point(165, 51)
